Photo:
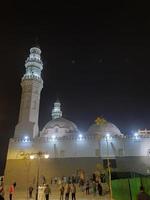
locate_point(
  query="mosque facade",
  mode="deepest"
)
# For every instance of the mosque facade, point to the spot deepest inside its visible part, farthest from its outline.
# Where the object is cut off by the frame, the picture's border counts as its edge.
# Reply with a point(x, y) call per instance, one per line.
point(59, 149)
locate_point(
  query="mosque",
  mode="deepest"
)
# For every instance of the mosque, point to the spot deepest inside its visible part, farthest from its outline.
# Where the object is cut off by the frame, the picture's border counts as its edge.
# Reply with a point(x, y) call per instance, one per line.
point(59, 149)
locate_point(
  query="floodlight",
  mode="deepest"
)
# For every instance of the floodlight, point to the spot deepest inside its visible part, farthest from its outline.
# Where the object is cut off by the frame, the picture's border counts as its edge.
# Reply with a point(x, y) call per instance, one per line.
point(108, 137)
point(53, 137)
point(80, 136)
point(26, 138)
point(136, 135)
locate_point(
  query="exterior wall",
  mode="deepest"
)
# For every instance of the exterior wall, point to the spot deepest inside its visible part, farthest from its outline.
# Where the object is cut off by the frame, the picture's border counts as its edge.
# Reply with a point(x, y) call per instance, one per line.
point(69, 154)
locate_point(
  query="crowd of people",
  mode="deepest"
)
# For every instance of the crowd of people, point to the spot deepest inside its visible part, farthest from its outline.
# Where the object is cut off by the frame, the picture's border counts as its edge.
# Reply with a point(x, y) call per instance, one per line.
point(68, 187)
point(68, 190)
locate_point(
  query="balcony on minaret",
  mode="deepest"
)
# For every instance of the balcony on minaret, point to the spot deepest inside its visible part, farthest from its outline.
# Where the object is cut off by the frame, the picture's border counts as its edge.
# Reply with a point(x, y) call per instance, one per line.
point(33, 64)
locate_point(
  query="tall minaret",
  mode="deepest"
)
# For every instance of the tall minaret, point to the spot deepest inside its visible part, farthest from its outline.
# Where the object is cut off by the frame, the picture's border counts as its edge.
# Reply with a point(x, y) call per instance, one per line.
point(32, 85)
point(56, 111)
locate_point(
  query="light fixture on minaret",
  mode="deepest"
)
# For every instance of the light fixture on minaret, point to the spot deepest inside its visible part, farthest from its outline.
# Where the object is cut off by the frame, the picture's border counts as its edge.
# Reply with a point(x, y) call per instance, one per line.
point(32, 85)
point(56, 111)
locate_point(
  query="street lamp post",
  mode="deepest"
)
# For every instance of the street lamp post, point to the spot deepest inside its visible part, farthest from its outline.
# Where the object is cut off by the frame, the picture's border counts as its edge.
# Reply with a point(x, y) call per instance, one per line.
point(38, 155)
point(37, 181)
point(108, 165)
point(25, 157)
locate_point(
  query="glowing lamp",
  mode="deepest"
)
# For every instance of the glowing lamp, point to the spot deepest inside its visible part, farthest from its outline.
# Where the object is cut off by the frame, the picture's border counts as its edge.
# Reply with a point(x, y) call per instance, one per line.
point(136, 135)
point(108, 137)
point(32, 157)
point(26, 138)
point(53, 137)
point(46, 156)
point(80, 136)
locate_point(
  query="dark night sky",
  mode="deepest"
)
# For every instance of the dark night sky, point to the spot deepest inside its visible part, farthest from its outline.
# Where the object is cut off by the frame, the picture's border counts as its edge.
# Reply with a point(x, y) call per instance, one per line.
point(96, 59)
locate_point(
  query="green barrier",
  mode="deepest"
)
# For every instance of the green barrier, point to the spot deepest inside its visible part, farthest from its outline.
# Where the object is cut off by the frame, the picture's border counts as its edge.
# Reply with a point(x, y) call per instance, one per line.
point(135, 184)
point(120, 189)
point(146, 183)
point(128, 189)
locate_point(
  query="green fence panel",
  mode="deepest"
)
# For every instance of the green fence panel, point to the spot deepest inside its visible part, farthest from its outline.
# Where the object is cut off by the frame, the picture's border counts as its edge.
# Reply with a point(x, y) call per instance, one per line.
point(120, 189)
point(146, 183)
point(135, 184)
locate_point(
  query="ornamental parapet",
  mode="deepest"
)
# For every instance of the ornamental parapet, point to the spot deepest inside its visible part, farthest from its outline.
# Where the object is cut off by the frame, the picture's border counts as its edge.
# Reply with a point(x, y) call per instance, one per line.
point(37, 60)
point(32, 77)
point(75, 138)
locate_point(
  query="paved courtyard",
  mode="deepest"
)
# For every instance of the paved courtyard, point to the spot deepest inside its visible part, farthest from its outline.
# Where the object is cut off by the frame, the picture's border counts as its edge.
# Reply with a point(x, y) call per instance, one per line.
point(23, 195)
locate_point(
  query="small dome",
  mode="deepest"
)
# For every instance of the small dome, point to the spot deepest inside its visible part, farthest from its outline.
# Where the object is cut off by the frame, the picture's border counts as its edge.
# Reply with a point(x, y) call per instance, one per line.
point(104, 128)
point(59, 127)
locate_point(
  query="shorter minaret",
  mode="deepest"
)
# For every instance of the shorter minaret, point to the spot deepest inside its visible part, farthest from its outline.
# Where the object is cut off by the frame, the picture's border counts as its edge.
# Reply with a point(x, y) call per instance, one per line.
point(32, 85)
point(56, 111)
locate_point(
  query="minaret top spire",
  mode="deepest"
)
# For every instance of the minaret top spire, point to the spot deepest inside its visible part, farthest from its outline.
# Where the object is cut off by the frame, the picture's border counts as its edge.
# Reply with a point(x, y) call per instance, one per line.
point(36, 42)
point(33, 64)
point(56, 111)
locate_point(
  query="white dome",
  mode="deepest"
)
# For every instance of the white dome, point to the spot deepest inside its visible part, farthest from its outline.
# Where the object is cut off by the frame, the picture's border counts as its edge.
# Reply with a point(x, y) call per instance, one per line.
point(103, 129)
point(59, 127)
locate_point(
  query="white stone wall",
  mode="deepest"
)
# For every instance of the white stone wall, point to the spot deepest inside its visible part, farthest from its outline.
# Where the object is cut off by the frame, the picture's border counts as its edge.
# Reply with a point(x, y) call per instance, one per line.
point(86, 147)
point(55, 148)
point(125, 147)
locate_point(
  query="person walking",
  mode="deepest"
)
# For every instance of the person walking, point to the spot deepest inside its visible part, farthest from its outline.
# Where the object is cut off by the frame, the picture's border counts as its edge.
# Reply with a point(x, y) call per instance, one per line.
point(11, 191)
point(87, 187)
point(99, 188)
point(62, 192)
point(143, 195)
point(1, 192)
point(30, 191)
point(67, 191)
point(47, 191)
point(73, 191)
point(94, 188)
point(14, 184)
